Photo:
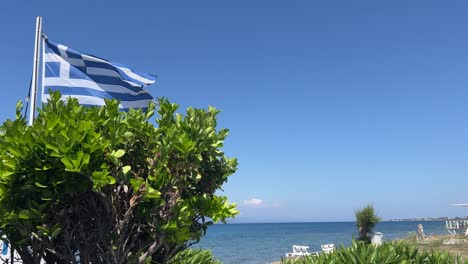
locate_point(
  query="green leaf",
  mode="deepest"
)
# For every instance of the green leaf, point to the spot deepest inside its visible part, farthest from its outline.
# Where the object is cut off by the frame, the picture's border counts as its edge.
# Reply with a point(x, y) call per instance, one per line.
point(5, 173)
point(127, 134)
point(43, 230)
point(35, 235)
point(38, 184)
point(152, 193)
point(136, 184)
point(126, 169)
point(119, 153)
point(25, 214)
point(184, 144)
point(56, 232)
point(67, 162)
point(110, 180)
point(101, 178)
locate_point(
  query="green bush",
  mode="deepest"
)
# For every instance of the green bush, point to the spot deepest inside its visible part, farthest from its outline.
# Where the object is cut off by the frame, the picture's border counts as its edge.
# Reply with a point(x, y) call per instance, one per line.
point(194, 256)
point(388, 253)
point(108, 186)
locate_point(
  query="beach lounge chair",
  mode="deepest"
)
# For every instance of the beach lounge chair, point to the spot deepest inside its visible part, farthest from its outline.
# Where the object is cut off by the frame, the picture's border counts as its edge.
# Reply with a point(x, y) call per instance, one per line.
point(328, 248)
point(299, 251)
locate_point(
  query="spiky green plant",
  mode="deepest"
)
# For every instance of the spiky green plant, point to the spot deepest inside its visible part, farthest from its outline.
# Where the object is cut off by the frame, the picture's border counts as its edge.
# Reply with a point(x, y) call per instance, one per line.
point(195, 256)
point(388, 253)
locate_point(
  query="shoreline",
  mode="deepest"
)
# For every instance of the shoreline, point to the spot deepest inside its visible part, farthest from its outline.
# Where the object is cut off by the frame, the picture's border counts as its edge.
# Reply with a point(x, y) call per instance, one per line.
point(454, 244)
point(271, 241)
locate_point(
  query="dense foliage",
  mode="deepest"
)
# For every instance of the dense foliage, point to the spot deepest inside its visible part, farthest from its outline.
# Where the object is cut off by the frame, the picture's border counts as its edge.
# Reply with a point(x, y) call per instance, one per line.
point(388, 253)
point(105, 186)
point(366, 219)
point(194, 256)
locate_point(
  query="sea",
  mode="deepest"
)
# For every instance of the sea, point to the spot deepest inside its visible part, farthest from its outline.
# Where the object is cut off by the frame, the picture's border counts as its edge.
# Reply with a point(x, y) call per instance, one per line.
point(268, 242)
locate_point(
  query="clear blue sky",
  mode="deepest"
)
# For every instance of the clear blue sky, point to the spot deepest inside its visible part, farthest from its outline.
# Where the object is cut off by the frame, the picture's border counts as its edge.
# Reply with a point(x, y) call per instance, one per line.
point(330, 105)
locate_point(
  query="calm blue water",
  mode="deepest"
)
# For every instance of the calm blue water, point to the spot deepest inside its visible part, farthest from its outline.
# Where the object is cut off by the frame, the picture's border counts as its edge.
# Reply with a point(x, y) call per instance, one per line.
point(265, 243)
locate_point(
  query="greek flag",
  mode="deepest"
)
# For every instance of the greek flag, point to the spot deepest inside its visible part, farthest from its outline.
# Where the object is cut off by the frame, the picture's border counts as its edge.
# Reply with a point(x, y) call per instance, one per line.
point(91, 79)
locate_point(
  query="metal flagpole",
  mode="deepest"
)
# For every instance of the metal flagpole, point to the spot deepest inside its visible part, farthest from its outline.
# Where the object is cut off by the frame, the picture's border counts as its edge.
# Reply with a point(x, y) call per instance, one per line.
point(35, 74)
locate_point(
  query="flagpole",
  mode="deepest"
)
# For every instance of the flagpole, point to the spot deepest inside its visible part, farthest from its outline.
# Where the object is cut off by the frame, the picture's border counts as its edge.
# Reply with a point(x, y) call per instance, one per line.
point(35, 74)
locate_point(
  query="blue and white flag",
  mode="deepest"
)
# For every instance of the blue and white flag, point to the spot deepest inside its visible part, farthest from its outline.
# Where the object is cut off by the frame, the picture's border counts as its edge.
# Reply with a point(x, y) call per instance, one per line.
point(91, 79)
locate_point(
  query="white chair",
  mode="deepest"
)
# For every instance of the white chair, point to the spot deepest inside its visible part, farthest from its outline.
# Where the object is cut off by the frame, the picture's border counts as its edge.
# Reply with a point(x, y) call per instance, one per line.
point(328, 248)
point(298, 251)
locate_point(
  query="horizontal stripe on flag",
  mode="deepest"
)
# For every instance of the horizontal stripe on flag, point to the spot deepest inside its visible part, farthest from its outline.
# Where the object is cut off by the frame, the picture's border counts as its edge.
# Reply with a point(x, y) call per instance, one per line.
point(94, 101)
point(64, 90)
point(92, 85)
point(101, 71)
point(136, 78)
point(74, 74)
point(87, 57)
point(52, 57)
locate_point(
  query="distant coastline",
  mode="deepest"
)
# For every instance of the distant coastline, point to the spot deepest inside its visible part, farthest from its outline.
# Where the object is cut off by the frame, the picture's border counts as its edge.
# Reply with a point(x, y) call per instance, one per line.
point(444, 218)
